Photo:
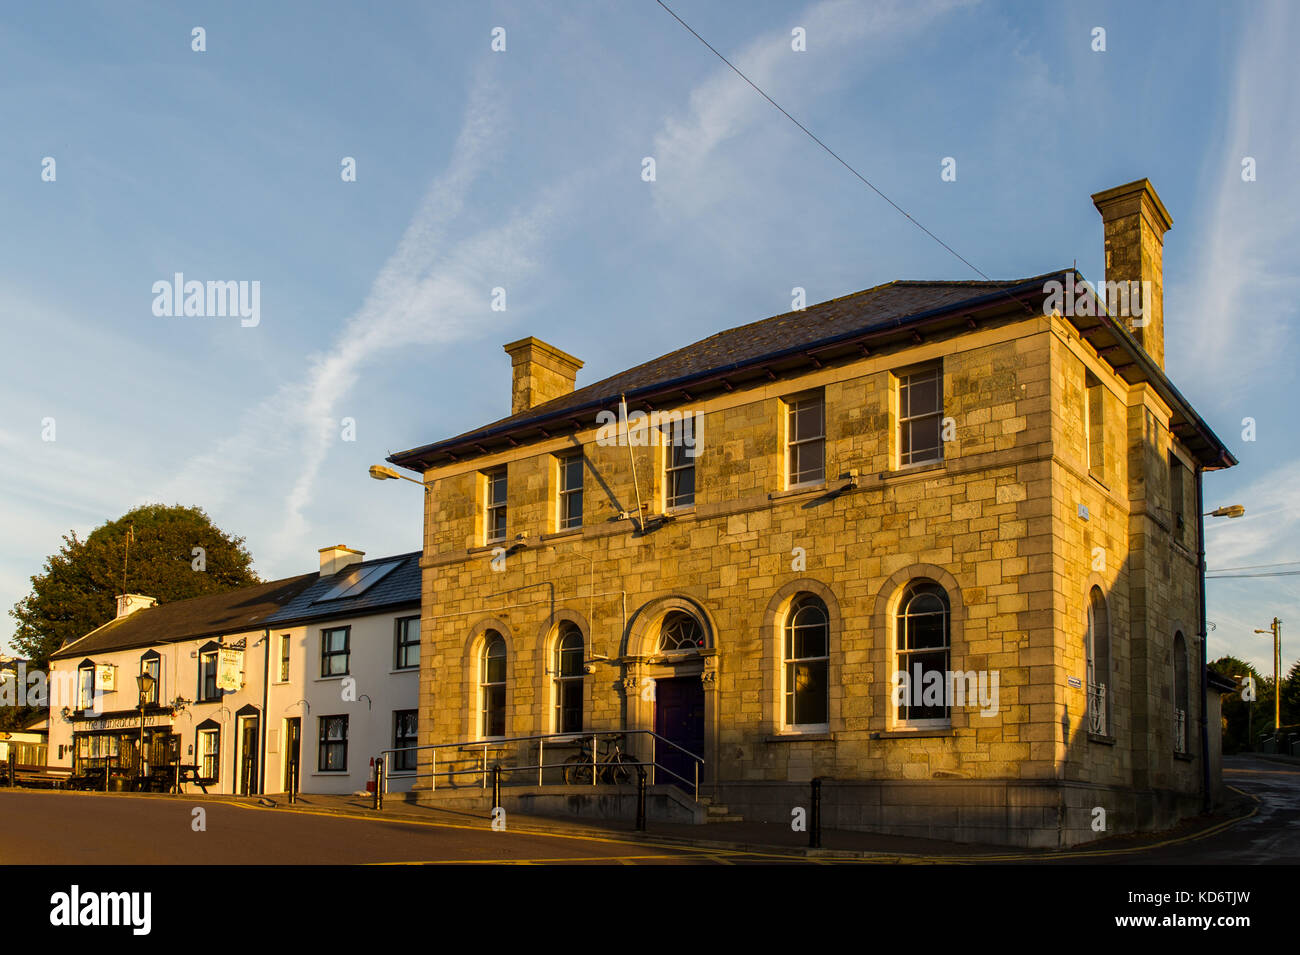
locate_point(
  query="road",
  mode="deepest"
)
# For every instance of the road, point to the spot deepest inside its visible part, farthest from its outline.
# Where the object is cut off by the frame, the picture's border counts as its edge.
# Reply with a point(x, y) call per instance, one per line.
point(55, 828)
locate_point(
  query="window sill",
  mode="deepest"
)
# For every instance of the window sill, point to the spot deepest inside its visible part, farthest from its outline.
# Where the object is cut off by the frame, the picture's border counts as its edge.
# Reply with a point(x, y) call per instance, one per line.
point(920, 732)
point(330, 679)
point(802, 490)
point(908, 470)
point(808, 736)
point(1184, 757)
point(397, 670)
point(330, 772)
point(561, 535)
point(488, 547)
point(1101, 738)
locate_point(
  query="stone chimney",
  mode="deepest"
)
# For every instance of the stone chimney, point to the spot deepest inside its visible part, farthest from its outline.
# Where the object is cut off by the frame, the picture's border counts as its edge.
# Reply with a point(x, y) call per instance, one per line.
point(1135, 222)
point(128, 604)
point(541, 372)
point(333, 559)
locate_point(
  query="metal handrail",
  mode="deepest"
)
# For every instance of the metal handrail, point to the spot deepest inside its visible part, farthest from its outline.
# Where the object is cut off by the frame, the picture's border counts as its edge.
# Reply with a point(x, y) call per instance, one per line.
point(563, 739)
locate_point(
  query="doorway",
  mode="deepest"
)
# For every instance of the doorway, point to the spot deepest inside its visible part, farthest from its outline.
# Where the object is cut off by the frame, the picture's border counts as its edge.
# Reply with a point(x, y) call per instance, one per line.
point(292, 746)
point(679, 718)
point(248, 726)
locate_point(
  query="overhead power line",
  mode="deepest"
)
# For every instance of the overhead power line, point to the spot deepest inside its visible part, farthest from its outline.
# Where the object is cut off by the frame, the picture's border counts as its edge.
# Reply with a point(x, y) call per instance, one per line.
point(836, 156)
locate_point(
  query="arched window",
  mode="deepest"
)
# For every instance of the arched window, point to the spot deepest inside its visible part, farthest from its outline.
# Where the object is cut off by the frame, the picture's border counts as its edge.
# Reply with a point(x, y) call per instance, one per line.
point(680, 631)
point(923, 633)
point(492, 685)
point(568, 679)
point(1180, 693)
point(1098, 663)
point(807, 662)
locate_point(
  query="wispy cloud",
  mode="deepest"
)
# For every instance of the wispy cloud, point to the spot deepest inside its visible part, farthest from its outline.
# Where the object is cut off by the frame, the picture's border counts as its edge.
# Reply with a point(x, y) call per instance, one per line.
point(432, 290)
point(1239, 299)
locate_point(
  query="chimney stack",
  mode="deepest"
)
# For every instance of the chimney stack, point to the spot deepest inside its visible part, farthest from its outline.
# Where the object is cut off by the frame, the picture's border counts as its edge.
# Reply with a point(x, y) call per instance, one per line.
point(541, 372)
point(333, 559)
point(1135, 222)
point(128, 604)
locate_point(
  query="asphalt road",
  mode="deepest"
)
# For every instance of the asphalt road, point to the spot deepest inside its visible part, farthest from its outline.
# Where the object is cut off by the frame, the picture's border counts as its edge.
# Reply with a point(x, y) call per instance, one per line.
point(56, 828)
point(51, 828)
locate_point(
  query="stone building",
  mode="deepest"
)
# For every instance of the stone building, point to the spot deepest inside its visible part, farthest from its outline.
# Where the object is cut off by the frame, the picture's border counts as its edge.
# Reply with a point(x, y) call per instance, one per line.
point(937, 543)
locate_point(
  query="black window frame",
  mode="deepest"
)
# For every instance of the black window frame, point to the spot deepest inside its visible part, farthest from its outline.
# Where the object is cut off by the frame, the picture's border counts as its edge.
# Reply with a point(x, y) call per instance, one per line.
point(402, 646)
point(327, 655)
point(209, 664)
point(405, 762)
point(322, 752)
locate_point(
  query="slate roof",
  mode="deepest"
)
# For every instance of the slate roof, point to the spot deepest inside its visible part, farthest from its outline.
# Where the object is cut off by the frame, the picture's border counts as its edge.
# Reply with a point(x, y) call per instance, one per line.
point(399, 587)
point(887, 315)
point(234, 611)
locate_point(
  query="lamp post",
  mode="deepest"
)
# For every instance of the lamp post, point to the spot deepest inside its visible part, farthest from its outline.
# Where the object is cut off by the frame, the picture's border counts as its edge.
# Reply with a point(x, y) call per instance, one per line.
point(1276, 631)
point(146, 682)
point(381, 473)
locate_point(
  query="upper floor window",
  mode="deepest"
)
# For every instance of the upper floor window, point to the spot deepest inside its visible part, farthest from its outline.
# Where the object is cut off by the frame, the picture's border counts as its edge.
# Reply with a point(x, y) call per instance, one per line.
point(1177, 508)
point(679, 464)
point(1095, 421)
point(568, 679)
point(492, 686)
point(86, 686)
point(920, 416)
point(494, 513)
point(923, 644)
point(334, 651)
point(807, 660)
point(208, 674)
point(1098, 651)
point(150, 666)
point(805, 441)
point(285, 644)
point(570, 491)
point(408, 644)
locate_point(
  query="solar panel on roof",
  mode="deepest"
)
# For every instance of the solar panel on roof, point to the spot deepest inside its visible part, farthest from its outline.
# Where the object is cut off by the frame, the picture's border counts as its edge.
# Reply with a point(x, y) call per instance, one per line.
point(357, 581)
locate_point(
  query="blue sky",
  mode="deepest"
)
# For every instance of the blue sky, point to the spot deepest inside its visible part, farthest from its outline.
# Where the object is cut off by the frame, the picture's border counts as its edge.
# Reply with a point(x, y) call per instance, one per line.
point(522, 169)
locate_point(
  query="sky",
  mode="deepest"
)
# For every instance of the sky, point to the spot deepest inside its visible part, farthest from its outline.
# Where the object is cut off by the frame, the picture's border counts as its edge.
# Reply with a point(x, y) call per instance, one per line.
point(522, 169)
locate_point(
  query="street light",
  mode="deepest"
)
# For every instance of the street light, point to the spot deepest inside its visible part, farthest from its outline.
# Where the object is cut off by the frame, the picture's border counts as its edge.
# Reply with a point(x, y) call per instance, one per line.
point(1230, 510)
point(146, 682)
point(381, 473)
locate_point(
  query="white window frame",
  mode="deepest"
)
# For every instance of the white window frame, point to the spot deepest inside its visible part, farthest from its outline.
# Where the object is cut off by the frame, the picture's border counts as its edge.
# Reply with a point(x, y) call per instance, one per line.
point(491, 505)
point(564, 520)
point(898, 653)
point(907, 380)
point(788, 660)
point(793, 405)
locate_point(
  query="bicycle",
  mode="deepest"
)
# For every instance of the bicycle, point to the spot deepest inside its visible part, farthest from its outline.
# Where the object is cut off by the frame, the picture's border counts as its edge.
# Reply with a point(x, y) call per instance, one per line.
point(614, 766)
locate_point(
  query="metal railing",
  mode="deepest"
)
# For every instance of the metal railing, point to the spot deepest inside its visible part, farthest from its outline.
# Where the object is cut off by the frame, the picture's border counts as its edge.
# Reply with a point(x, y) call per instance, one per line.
point(1180, 731)
point(1097, 708)
point(589, 742)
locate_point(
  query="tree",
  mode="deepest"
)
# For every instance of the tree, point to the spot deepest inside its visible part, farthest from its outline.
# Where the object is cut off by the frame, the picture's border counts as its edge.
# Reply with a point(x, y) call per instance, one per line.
point(1240, 717)
point(174, 553)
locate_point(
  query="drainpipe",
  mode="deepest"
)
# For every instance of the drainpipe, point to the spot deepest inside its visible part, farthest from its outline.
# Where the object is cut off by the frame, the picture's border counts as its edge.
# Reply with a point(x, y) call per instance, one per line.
point(1207, 799)
point(266, 690)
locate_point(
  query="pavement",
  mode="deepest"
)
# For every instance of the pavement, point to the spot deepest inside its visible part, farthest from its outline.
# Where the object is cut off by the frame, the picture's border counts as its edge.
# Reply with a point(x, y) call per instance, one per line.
point(1258, 826)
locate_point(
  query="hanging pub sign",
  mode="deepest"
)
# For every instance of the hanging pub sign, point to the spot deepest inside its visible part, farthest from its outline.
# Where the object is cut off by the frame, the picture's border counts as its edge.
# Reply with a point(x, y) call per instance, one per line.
point(105, 678)
point(230, 669)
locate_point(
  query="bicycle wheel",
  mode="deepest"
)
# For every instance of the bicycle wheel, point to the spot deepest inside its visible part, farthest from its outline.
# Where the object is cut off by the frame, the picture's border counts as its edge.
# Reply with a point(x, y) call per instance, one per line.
point(577, 771)
point(622, 769)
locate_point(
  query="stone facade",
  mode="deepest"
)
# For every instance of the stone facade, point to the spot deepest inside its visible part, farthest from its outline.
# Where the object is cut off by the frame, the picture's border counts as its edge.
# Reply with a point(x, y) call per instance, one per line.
point(1038, 426)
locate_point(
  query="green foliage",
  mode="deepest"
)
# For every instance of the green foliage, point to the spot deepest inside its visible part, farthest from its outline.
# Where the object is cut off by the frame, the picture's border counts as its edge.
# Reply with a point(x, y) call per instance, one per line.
point(78, 589)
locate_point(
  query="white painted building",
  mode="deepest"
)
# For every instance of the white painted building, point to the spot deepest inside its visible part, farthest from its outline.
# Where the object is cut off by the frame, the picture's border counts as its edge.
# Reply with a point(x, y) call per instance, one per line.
point(249, 686)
